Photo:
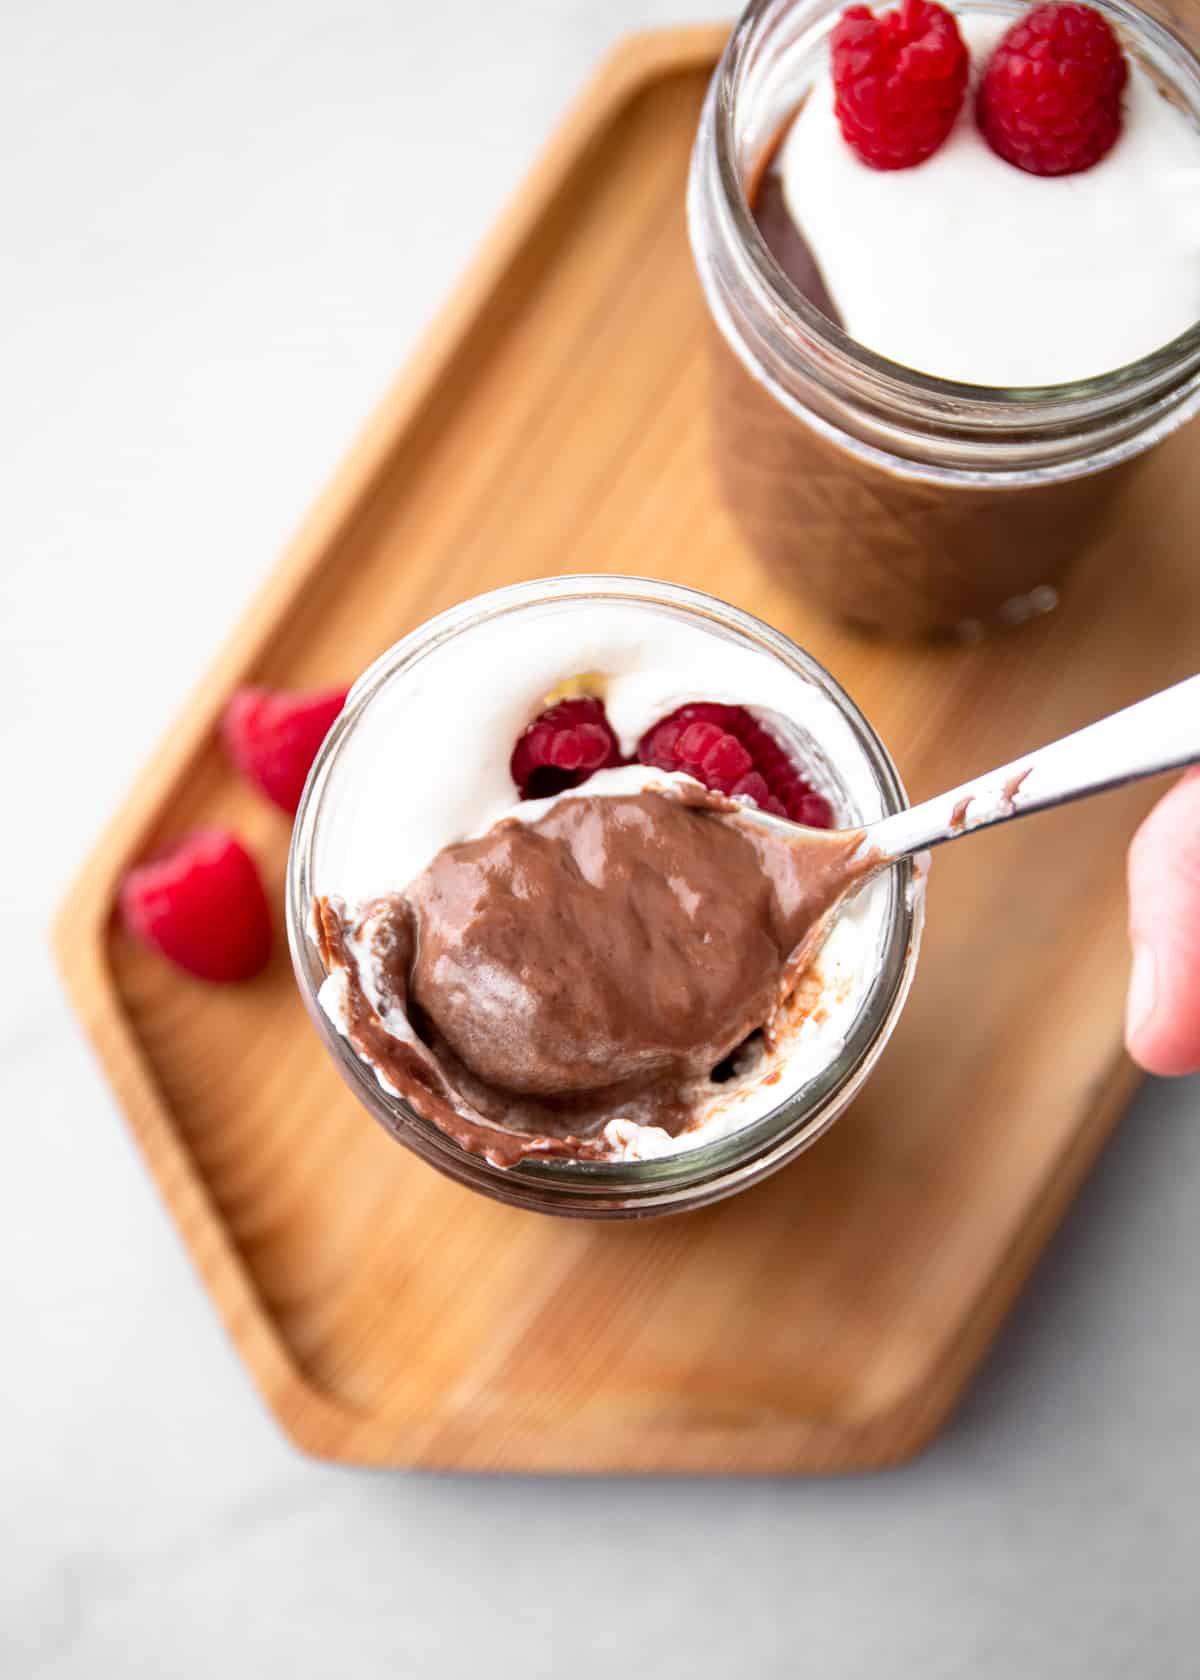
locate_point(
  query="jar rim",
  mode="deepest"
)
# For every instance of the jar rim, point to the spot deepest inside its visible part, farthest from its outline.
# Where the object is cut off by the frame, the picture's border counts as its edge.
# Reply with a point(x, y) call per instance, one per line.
point(1156, 382)
point(685, 1178)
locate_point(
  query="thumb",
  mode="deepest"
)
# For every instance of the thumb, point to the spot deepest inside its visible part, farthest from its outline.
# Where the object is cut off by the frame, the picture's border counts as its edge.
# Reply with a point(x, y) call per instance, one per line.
point(1162, 1023)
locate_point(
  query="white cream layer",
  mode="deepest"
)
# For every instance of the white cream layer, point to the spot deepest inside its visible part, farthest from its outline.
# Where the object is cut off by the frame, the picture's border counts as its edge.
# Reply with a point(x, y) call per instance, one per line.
point(427, 764)
point(970, 269)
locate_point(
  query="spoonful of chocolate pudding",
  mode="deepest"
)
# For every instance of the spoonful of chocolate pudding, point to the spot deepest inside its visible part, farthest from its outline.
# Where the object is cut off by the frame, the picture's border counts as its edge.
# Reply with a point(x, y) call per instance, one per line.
point(599, 958)
point(615, 943)
point(604, 953)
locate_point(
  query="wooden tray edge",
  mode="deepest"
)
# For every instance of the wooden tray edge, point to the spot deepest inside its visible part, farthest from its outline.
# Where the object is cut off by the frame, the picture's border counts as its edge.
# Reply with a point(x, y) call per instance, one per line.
point(905, 1428)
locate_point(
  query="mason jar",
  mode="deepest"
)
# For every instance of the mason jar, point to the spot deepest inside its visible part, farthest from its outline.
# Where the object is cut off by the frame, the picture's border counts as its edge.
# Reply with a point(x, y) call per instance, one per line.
point(848, 764)
point(891, 499)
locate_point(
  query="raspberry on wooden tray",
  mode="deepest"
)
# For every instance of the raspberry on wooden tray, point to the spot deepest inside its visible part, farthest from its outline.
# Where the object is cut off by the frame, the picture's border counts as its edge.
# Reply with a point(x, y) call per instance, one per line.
point(202, 905)
point(272, 736)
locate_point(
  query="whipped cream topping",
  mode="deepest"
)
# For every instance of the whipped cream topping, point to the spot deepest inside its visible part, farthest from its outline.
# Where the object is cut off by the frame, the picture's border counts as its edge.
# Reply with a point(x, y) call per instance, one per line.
point(426, 764)
point(970, 269)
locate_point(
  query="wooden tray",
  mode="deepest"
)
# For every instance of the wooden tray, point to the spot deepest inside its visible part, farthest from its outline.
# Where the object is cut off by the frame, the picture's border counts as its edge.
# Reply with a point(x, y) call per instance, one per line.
point(554, 421)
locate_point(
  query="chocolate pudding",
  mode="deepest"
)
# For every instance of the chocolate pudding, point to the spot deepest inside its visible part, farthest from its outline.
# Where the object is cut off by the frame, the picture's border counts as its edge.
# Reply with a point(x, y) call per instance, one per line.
point(609, 960)
point(887, 553)
point(888, 501)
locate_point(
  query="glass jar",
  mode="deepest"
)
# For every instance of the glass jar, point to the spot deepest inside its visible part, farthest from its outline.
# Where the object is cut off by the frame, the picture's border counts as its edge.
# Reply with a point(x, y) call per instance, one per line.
point(850, 766)
point(892, 499)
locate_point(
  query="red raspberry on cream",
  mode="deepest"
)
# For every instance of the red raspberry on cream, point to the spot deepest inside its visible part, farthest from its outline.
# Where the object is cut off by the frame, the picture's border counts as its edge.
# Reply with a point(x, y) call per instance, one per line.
point(899, 79)
point(1050, 98)
point(730, 751)
point(562, 747)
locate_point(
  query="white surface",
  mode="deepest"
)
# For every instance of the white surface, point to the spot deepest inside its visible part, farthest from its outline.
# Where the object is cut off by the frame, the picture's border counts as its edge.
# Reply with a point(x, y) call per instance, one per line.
point(1111, 255)
point(203, 296)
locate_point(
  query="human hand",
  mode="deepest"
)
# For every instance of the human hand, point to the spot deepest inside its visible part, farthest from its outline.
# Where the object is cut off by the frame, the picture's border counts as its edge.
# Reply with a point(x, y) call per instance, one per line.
point(1162, 1024)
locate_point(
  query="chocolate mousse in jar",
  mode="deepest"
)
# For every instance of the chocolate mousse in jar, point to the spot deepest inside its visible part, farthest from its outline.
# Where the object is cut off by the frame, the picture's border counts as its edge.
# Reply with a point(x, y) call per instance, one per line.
point(542, 941)
point(933, 381)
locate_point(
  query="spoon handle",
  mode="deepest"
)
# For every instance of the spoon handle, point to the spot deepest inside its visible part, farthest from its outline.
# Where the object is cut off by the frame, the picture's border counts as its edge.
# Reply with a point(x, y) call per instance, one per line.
point(1157, 734)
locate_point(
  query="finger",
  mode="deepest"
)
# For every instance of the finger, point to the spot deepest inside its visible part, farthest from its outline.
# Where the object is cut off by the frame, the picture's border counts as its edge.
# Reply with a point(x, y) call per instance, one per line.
point(1162, 1024)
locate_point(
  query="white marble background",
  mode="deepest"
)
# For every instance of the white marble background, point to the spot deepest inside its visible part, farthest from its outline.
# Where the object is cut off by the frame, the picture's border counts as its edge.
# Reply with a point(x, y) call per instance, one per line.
point(223, 224)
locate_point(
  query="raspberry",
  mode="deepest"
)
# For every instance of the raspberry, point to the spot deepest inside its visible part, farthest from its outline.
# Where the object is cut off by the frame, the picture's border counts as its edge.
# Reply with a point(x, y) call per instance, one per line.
point(1050, 98)
point(898, 81)
point(562, 747)
point(730, 751)
point(273, 737)
point(203, 906)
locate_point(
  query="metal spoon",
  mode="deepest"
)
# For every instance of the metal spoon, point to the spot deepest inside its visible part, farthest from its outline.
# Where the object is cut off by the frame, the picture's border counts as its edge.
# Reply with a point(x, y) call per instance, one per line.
point(1157, 734)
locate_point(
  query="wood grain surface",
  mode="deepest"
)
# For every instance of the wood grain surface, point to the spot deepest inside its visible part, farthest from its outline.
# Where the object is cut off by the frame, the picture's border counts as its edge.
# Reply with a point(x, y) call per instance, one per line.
point(555, 421)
